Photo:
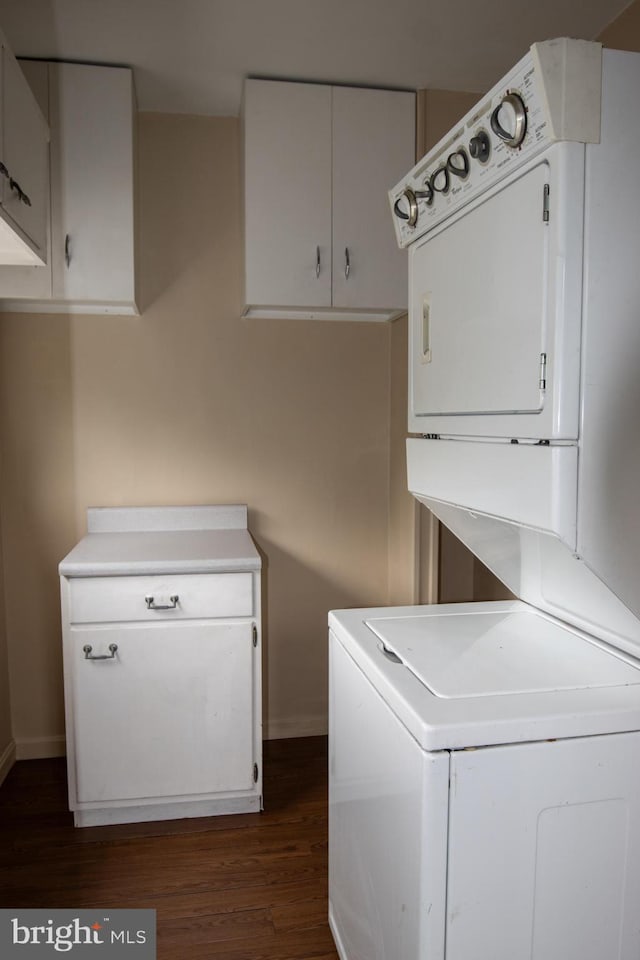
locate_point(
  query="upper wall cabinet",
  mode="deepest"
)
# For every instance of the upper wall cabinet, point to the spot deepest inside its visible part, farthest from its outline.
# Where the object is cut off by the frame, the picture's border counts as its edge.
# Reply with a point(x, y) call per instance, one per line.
point(92, 229)
point(318, 164)
point(24, 168)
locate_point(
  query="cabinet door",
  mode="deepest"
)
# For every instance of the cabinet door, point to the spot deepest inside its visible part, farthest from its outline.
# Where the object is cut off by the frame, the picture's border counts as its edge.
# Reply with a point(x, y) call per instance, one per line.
point(373, 147)
point(33, 282)
point(287, 170)
point(92, 181)
point(25, 155)
point(171, 714)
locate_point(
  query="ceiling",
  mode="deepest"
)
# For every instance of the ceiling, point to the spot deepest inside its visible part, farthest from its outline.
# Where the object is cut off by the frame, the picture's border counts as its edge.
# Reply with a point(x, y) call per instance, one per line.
point(190, 56)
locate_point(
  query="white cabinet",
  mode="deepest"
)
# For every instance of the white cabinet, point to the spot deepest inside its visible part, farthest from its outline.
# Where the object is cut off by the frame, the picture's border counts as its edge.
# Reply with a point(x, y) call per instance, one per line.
point(92, 235)
point(92, 200)
point(287, 157)
point(169, 715)
point(162, 675)
point(24, 169)
point(318, 163)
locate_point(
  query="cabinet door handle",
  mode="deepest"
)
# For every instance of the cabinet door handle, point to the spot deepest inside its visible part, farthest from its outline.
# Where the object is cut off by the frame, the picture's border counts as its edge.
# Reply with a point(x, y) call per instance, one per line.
point(152, 605)
point(113, 649)
point(22, 196)
point(317, 262)
point(67, 250)
point(347, 263)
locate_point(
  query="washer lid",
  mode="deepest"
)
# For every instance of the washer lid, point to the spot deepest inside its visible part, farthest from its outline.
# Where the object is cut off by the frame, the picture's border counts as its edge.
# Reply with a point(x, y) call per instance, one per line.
point(492, 653)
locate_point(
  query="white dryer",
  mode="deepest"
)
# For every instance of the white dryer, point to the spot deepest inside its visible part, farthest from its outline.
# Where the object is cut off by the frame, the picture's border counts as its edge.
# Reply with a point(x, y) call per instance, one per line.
point(485, 758)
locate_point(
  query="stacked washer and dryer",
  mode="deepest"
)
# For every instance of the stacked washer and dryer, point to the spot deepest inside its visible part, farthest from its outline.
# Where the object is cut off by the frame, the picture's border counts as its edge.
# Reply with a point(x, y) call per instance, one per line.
point(485, 757)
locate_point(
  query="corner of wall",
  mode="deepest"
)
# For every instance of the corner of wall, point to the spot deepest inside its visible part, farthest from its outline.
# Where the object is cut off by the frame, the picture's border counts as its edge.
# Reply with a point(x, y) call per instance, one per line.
point(40, 748)
point(7, 760)
point(285, 728)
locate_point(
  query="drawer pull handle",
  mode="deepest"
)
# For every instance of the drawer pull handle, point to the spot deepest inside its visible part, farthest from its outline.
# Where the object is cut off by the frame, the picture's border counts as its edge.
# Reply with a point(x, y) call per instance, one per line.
point(113, 649)
point(152, 605)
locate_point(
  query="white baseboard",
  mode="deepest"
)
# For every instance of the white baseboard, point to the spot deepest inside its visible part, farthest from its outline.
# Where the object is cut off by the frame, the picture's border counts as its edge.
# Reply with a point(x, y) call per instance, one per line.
point(39, 748)
point(7, 759)
point(285, 728)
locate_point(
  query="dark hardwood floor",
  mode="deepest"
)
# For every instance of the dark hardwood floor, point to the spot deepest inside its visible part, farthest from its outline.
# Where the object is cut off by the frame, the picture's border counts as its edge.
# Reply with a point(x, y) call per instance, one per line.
point(249, 887)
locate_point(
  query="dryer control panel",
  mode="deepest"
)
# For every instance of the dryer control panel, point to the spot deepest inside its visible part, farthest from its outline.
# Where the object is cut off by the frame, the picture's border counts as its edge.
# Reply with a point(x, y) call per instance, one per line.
point(552, 94)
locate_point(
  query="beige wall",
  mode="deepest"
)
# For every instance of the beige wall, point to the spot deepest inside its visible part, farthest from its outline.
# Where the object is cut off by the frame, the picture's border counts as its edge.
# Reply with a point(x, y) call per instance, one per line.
point(191, 404)
point(7, 749)
point(37, 517)
point(624, 32)
point(438, 111)
point(404, 546)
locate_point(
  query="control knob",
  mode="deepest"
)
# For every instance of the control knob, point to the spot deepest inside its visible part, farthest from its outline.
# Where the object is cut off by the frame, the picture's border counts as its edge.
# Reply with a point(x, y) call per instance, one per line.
point(509, 120)
point(406, 207)
point(480, 146)
point(458, 163)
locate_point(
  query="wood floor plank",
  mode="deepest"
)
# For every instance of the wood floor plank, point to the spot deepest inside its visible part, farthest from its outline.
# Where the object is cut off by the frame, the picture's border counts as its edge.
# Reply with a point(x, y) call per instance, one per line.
point(192, 932)
point(309, 944)
point(243, 887)
point(258, 895)
point(300, 915)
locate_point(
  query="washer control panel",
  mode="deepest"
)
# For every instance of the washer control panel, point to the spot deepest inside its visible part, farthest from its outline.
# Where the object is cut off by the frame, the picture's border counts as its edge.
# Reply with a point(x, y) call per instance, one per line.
point(511, 124)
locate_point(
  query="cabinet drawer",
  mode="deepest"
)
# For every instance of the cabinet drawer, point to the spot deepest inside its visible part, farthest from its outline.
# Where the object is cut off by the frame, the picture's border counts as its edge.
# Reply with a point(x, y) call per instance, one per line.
point(110, 599)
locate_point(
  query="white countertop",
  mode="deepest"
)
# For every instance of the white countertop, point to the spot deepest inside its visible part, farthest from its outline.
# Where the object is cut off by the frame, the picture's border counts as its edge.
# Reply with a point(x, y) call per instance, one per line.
point(151, 549)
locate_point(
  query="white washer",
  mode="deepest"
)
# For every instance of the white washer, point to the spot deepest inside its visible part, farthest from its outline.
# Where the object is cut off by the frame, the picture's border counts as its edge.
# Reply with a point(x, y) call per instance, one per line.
point(484, 789)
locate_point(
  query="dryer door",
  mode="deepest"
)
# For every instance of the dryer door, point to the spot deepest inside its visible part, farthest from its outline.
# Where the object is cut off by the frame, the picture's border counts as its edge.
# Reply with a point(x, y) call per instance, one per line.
point(495, 312)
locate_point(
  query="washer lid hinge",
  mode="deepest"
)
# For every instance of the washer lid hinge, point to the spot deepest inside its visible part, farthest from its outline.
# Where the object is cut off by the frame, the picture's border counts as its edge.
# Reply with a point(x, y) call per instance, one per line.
point(542, 376)
point(545, 203)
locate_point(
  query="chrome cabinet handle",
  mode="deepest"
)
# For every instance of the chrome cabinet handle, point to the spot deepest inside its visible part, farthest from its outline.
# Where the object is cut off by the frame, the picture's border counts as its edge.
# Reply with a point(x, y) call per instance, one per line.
point(14, 185)
point(67, 250)
point(22, 196)
point(113, 649)
point(152, 605)
point(317, 262)
point(347, 263)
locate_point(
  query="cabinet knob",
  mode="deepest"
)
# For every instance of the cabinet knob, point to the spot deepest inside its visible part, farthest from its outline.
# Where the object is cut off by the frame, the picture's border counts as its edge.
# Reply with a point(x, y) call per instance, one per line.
point(67, 250)
point(347, 263)
point(317, 262)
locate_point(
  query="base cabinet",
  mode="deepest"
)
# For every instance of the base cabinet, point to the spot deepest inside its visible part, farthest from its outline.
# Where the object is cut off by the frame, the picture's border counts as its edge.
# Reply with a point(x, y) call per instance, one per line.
point(163, 705)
